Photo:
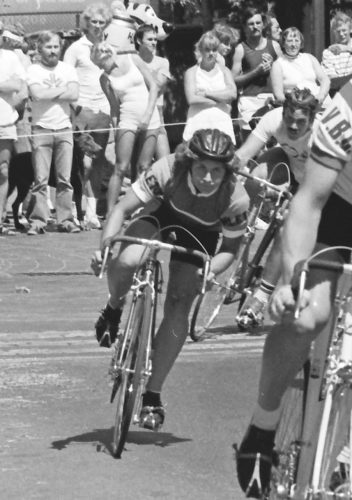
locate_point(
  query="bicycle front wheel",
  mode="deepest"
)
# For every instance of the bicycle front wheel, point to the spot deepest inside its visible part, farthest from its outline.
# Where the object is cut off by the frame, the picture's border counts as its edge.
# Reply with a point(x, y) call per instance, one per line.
point(207, 307)
point(125, 396)
point(287, 439)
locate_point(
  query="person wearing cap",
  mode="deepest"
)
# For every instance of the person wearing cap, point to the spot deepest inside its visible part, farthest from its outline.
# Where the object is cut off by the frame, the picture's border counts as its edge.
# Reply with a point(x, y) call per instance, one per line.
point(12, 82)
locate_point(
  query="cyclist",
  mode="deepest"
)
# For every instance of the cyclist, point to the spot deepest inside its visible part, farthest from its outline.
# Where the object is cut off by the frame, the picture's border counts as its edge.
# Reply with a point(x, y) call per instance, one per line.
point(291, 126)
point(320, 211)
point(194, 188)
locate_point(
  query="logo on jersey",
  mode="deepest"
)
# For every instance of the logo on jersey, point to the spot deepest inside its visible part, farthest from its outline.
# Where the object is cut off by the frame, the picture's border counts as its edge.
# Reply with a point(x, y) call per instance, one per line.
point(153, 185)
point(338, 128)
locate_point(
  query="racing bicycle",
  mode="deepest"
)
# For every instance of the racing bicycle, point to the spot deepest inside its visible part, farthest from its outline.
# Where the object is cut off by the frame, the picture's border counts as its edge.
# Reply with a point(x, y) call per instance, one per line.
point(314, 439)
point(131, 363)
point(239, 281)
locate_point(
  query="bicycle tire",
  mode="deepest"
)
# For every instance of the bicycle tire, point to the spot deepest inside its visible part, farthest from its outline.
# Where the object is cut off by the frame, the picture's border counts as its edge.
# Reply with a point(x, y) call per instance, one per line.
point(336, 448)
point(207, 307)
point(287, 438)
point(124, 391)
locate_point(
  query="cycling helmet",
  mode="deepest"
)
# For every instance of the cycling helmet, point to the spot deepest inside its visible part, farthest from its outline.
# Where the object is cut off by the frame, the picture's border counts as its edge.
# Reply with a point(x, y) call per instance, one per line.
point(301, 99)
point(212, 144)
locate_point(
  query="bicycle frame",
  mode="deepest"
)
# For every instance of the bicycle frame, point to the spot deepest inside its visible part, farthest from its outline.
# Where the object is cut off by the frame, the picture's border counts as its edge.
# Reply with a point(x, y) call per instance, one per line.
point(330, 374)
point(131, 364)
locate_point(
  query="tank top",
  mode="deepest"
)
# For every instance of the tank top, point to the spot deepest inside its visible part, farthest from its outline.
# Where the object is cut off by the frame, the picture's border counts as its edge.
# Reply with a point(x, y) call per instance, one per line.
point(251, 60)
point(133, 95)
point(298, 71)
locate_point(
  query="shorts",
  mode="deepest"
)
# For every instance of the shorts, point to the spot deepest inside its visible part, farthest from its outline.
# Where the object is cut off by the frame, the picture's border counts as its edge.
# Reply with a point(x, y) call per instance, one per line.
point(168, 219)
point(8, 132)
point(335, 226)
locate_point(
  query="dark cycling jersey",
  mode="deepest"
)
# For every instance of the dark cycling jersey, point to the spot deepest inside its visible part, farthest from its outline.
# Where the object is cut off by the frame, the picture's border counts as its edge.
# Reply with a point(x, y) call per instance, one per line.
point(223, 210)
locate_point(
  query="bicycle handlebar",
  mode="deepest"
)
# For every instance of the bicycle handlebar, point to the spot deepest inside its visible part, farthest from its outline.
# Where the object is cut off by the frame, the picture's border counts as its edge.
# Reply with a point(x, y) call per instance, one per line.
point(325, 265)
point(267, 184)
point(159, 245)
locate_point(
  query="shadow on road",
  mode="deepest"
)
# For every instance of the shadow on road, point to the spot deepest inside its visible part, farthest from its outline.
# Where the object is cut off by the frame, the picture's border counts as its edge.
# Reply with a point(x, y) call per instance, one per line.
point(102, 439)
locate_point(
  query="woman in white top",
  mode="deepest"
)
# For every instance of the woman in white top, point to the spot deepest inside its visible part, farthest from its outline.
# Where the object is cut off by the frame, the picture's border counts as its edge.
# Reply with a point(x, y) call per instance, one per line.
point(146, 43)
point(209, 89)
point(132, 93)
point(295, 68)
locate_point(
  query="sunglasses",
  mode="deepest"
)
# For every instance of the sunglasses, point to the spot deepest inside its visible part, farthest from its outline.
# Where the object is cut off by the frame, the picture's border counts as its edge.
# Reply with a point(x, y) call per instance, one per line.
point(96, 21)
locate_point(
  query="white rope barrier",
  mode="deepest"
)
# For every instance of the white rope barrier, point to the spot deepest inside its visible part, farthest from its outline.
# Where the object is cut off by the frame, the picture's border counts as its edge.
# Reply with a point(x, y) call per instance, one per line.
point(100, 130)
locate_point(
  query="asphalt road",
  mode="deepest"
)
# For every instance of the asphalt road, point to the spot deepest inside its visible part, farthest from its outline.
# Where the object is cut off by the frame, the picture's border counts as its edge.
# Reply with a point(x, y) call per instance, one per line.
point(56, 419)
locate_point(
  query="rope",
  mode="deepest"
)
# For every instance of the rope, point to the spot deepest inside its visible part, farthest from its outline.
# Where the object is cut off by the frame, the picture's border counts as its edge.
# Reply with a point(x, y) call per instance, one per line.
point(100, 130)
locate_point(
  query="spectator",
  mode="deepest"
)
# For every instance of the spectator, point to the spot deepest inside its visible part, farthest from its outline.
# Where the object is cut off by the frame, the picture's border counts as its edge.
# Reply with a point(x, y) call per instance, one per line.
point(132, 94)
point(91, 111)
point(273, 29)
point(228, 38)
point(145, 40)
point(337, 59)
point(12, 87)
point(252, 63)
point(209, 90)
point(53, 86)
point(295, 68)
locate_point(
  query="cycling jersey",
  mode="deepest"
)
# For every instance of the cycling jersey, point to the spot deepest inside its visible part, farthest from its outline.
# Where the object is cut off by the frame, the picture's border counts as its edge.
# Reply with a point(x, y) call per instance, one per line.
point(272, 125)
point(332, 141)
point(223, 210)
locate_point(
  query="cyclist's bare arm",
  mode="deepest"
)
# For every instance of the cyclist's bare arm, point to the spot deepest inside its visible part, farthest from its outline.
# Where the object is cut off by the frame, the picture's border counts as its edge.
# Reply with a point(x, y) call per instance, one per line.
point(249, 149)
point(300, 229)
point(226, 255)
point(129, 203)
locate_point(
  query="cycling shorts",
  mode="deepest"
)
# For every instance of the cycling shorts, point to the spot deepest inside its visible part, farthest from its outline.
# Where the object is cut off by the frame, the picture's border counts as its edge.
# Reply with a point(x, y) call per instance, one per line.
point(166, 217)
point(335, 226)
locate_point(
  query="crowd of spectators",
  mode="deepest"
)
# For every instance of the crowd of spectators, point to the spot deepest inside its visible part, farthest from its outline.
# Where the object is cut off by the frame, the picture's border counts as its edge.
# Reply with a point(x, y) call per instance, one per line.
point(51, 98)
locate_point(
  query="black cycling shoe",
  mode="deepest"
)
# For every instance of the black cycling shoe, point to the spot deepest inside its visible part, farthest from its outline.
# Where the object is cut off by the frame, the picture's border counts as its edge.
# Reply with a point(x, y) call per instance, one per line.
point(254, 460)
point(107, 326)
point(152, 417)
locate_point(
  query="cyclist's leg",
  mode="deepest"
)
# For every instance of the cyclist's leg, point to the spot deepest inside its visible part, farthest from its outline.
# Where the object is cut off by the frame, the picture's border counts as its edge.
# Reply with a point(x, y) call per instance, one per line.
point(120, 273)
point(285, 351)
point(173, 329)
point(252, 312)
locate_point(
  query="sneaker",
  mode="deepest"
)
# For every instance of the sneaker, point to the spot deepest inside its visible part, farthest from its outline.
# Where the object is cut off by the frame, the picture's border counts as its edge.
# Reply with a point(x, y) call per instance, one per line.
point(69, 227)
point(107, 326)
point(6, 231)
point(34, 230)
point(253, 461)
point(92, 222)
point(251, 314)
point(261, 225)
point(152, 417)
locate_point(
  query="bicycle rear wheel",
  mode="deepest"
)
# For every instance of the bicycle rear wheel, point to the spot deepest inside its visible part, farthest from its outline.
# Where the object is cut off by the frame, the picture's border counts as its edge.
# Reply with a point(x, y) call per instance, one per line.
point(288, 435)
point(207, 307)
point(333, 463)
point(122, 392)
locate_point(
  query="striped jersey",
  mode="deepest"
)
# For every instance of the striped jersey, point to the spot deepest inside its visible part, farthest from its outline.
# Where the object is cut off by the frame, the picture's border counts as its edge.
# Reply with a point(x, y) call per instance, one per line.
point(223, 210)
point(332, 141)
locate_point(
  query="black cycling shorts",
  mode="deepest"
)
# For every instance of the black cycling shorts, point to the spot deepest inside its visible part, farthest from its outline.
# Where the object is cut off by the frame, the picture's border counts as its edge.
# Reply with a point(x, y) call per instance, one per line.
point(167, 217)
point(335, 226)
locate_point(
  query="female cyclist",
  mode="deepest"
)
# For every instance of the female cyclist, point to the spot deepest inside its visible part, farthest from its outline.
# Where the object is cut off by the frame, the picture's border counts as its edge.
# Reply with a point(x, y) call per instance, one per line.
point(194, 188)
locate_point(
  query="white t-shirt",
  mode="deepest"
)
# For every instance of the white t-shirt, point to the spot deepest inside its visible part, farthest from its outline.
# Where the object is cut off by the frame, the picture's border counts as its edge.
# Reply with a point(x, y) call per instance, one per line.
point(91, 94)
point(272, 125)
point(47, 113)
point(10, 67)
point(159, 66)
